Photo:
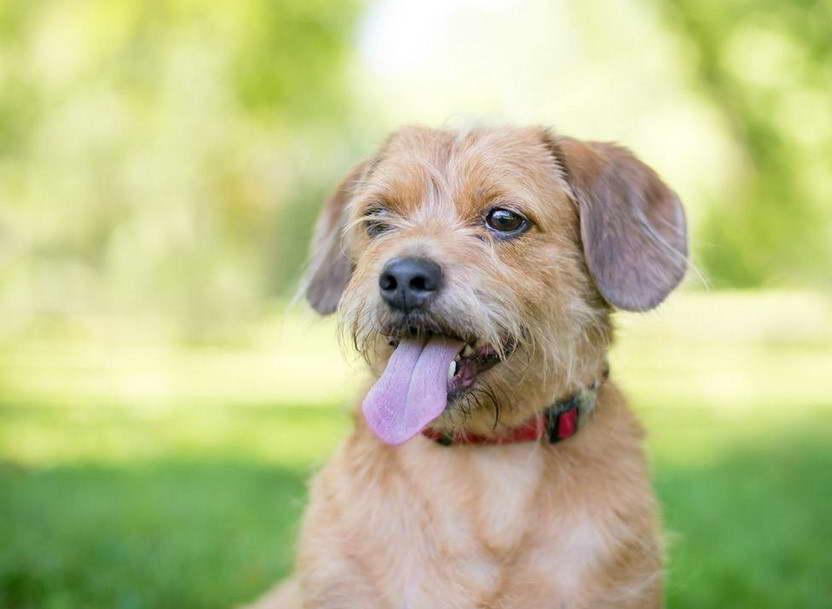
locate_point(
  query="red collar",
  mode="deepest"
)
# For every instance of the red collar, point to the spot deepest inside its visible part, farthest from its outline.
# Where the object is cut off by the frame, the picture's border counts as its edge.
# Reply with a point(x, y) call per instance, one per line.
point(558, 422)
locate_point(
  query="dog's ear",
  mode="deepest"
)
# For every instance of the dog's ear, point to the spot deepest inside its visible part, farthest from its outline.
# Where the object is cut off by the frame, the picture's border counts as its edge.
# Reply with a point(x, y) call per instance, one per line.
point(329, 268)
point(632, 225)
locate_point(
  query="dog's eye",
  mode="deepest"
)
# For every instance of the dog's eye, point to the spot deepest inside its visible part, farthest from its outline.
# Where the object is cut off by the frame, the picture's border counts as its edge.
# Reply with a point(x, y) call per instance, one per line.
point(374, 223)
point(506, 223)
point(375, 228)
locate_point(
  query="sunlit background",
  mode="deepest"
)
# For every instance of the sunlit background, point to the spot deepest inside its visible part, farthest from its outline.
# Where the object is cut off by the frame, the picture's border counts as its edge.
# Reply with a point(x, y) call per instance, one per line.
point(162, 162)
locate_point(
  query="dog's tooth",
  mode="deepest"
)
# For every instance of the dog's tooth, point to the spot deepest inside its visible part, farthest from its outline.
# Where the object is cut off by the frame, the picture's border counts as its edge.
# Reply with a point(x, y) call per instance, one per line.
point(451, 370)
point(468, 351)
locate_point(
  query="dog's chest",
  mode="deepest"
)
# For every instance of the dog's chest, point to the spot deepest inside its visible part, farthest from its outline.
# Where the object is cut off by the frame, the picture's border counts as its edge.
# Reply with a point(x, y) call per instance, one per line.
point(479, 526)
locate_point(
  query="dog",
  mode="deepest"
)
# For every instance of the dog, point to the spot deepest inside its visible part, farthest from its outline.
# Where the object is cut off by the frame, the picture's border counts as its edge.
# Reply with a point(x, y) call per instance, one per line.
point(493, 464)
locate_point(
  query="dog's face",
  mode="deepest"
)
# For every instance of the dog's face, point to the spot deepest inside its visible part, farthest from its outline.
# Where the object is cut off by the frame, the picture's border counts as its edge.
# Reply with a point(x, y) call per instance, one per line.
point(507, 247)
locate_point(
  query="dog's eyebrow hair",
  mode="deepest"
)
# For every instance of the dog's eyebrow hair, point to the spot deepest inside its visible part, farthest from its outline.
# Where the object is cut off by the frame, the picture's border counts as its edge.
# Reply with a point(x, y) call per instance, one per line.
point(377, 203)
point(515, 204)
point(376, 208)
point(491, 196)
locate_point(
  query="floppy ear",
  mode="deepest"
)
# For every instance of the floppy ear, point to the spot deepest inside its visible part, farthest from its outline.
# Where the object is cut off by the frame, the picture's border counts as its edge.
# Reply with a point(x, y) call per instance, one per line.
point(632, 225)
point(329, 269)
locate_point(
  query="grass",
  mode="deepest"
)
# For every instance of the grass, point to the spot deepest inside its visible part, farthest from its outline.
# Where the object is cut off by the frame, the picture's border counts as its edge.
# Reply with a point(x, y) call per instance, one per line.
point(135, 474)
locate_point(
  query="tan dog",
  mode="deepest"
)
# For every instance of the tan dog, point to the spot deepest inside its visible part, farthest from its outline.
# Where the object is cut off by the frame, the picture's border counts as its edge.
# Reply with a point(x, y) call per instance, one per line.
point(492, 467)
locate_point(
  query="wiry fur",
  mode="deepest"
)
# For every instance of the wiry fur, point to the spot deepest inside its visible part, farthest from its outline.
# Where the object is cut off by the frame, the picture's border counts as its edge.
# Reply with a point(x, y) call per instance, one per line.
point(571, 525)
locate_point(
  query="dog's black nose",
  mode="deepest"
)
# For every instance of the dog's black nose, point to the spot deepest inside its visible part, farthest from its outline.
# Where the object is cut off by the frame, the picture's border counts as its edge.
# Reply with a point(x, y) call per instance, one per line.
point(408, 283)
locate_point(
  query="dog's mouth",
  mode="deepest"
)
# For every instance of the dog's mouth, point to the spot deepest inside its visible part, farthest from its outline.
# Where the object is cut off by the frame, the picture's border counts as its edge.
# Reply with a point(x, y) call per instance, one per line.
point(474, 358)
point(422, 374)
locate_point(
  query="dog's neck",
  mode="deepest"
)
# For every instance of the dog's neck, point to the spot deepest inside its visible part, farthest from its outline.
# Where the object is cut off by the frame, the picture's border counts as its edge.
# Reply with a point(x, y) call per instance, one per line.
point(557, 422)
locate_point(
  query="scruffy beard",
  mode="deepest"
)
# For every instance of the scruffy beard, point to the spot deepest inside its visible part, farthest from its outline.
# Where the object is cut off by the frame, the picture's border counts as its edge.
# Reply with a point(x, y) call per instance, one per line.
point(538, 354)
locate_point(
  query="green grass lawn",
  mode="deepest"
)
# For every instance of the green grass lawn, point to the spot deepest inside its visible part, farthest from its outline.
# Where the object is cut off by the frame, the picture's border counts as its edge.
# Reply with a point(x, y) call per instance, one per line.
point(134, 474)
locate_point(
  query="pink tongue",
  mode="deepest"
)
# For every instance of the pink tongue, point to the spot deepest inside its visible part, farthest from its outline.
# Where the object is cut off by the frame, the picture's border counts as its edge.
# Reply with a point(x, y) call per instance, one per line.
point(413, 390)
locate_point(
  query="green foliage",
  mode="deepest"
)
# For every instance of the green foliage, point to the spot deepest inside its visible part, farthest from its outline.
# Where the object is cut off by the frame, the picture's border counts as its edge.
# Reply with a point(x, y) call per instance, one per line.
point(148, 151)
point(766, 65)
point(168, 158)
point(292, 58)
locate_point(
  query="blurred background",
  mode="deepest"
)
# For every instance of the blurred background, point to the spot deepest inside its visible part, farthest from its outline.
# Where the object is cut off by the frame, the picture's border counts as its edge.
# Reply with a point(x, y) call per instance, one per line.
point(162, 163)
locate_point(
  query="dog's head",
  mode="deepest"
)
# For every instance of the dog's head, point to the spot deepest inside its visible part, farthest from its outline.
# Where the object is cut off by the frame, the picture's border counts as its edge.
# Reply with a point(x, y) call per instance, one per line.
point(493, 257)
